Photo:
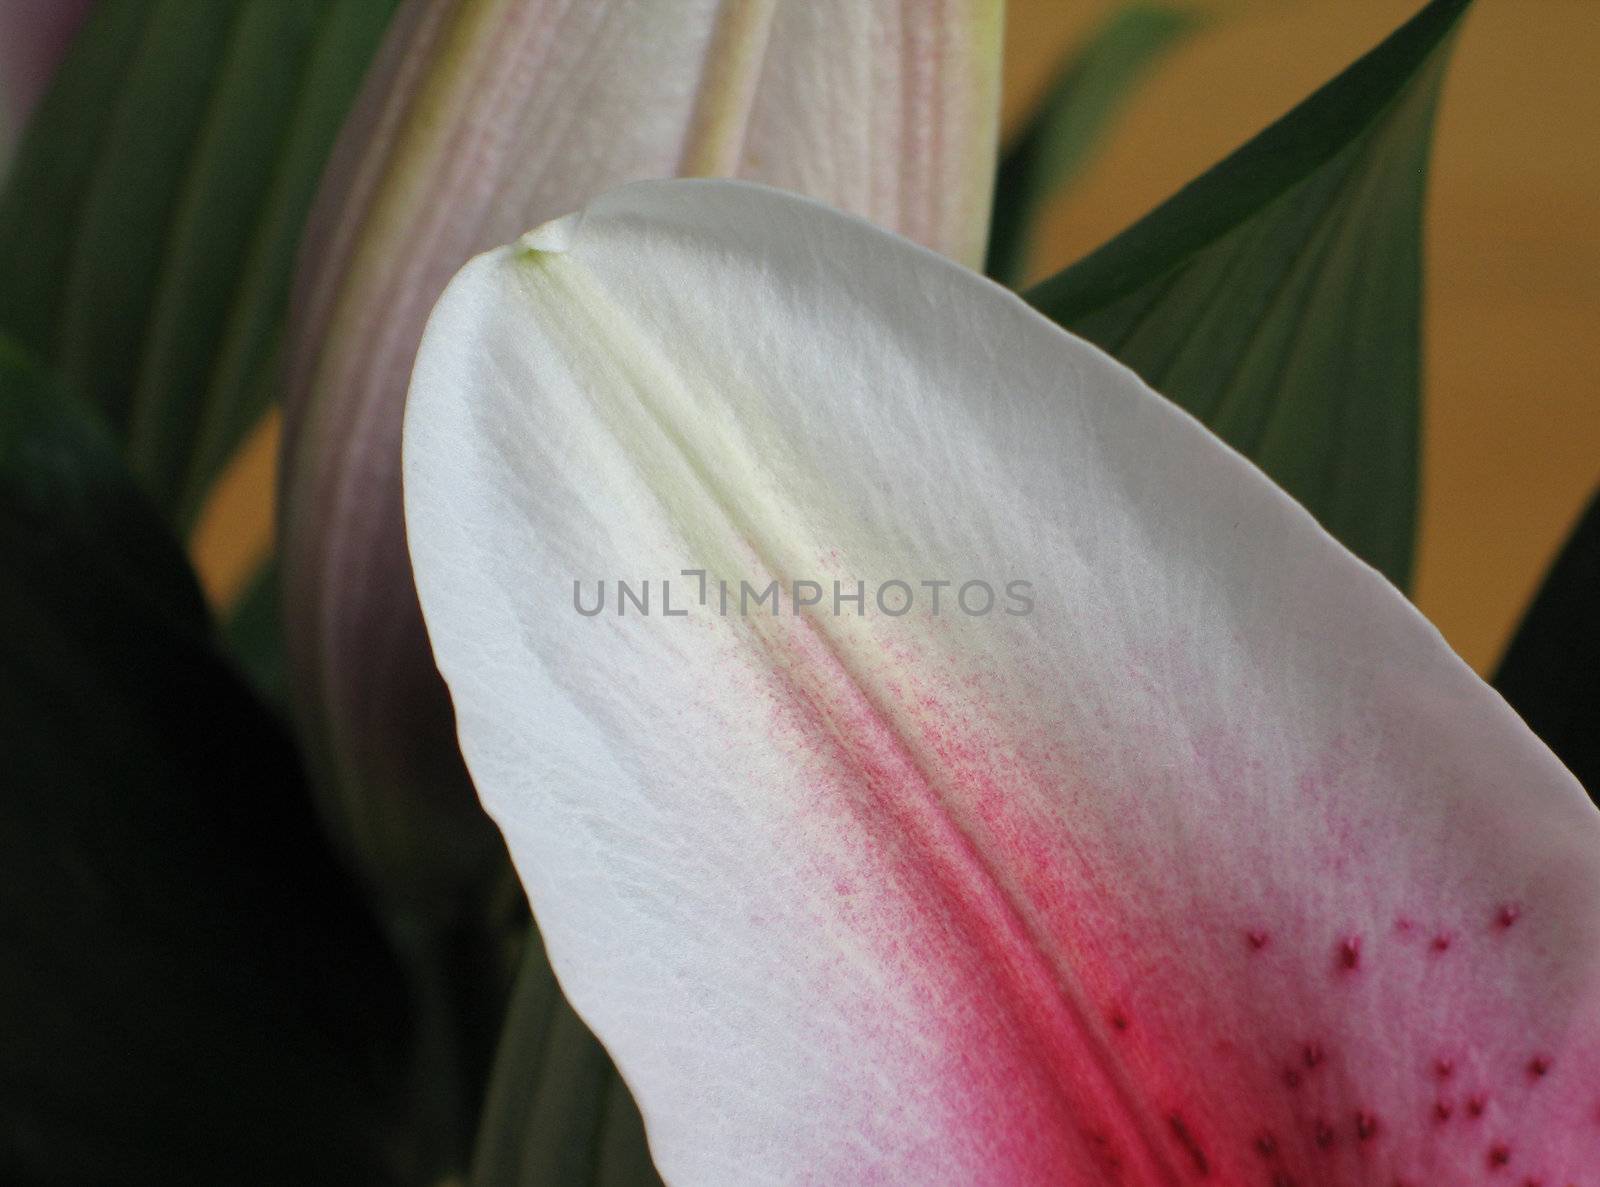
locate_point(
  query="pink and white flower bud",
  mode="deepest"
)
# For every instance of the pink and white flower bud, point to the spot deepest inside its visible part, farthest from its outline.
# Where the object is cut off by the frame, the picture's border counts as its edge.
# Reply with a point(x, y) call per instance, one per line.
point(481, 119)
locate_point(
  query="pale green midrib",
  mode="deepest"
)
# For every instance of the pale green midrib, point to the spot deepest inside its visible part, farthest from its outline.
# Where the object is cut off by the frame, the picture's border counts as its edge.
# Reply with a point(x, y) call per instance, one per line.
point(641, 361)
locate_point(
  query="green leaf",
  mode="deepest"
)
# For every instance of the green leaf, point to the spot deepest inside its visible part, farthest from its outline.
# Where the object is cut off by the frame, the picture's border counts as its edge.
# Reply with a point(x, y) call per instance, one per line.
point(558, 1114)
point(254, 635)
point(1278, 296)
point(1058, 140)
point(148, 230)
point(190, 989)
point(1551, 672)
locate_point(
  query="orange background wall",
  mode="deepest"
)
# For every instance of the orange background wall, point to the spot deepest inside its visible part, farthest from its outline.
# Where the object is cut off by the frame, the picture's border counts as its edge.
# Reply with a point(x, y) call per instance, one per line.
point(1512, 437)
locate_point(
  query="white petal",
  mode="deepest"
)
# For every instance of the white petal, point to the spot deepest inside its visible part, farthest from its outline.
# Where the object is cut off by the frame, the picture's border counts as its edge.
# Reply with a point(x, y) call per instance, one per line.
point(1216, 865)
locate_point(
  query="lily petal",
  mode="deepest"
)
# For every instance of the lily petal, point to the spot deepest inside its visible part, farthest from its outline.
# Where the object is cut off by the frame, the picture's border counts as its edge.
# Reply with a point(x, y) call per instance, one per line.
point(1216, 866)
point(479, 120)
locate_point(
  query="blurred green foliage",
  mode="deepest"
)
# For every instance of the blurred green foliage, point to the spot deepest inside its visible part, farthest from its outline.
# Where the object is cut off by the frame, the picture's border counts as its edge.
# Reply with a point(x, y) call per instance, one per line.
point(149, 223)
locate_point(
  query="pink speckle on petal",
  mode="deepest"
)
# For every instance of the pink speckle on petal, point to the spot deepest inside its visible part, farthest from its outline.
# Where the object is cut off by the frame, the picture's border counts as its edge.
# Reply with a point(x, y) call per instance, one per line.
point(1350, 953)
point(1186, 1138)
point(1324, 1135)
point(1082, 1028)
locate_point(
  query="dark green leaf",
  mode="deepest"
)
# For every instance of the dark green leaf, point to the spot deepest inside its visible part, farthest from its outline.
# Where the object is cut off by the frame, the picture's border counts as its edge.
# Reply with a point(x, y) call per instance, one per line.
point(190, 990)
point(1551, 671)
point(558, 1114)
point(255, 637)
point(148, 230)
point(1080, 106)
point(1278, 296)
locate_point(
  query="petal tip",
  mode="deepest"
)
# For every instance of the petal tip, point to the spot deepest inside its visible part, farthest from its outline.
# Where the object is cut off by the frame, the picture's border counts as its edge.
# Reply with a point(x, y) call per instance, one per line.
point(555, 236)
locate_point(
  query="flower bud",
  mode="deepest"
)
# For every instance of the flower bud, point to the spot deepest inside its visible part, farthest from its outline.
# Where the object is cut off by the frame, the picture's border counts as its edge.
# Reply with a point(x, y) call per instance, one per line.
point(481, 119)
